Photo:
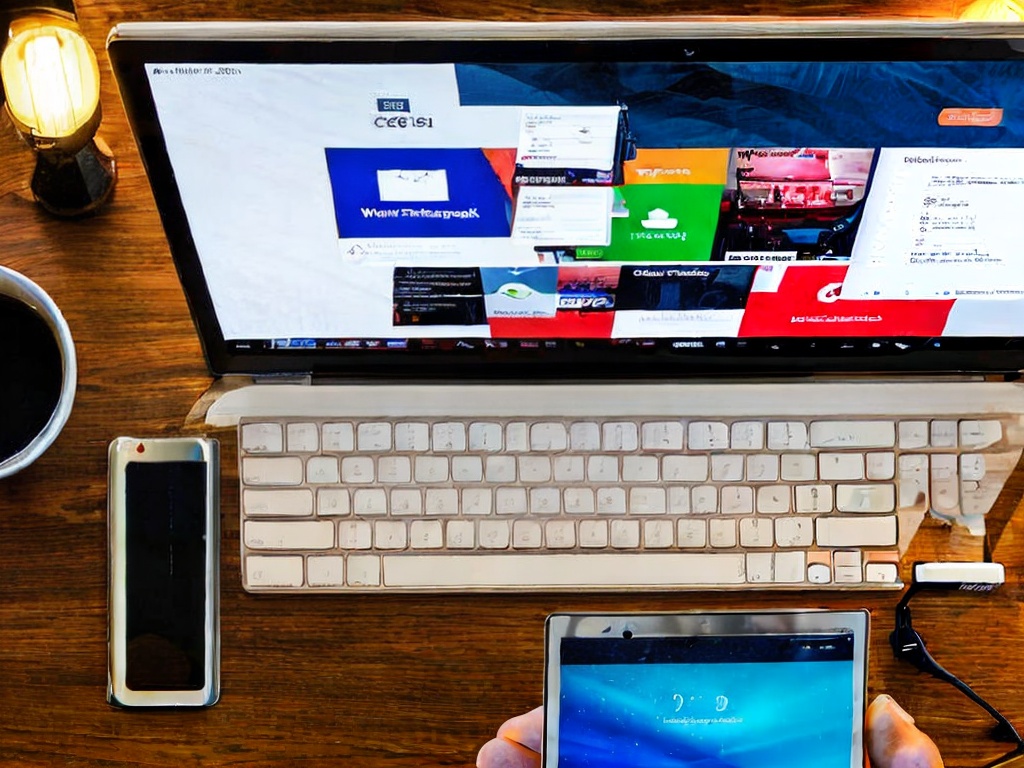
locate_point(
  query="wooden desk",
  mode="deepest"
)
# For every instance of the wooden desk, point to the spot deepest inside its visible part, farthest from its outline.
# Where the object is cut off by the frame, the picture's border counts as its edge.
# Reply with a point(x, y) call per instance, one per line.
point(363, 681)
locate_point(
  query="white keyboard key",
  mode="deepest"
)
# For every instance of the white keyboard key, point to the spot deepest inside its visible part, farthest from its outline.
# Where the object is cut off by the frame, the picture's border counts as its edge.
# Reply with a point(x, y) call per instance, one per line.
point(684, 469)
point(264, 571)
point(737, 500)
point(707, 436)
point(389, 534)
point(393, 470)
point(441, 501)
point(747, 436)
point(282, 503)
point(799, 467)
point(500, 469)
point(579, 501)
point(485, 436)
point(602, 469)
point(760, 567)
point(467, 469)
point(495, 534)
point(972, 467)
point(354, 534)
point(306, 534)
point(722, 533)
point(303, 438)
point(913, 481)
point(661, 436)
point(704, 500)
point(679, 499)
point(787, 436)
point(762, 468)
point(548, 436)
point(944, 434)
point(859, 531)
point(534, 469)
point(913, 435)
point(585, 436)
point(363, 570)
point(325, 570)
point(625, 534)
point(406, 501)
point(527, 534)
point(332, 501)
point(517, 438)
point(460, 534)
point(640, 469)
point(431, 469)
point(865, 498)
point(853, 434)
point(647, 501)
point(545, 501)
point(412, 437)
point(560, 534)
point(510, 501)
point(476, 501)
point(370, 502)
point(373, 436)
point(794, 532)
point(813, 499)
point(262, 438)
point(976, 435)
point(658, 534)
point(449, 437)
point(945, 483)
point(619, 436)
point(884, 573)
point(338, 437)
point(322, 470)
point(568, 469)
point(846, 567)
point(725, 467)
point(426, 534)
point(819, 573)
point(692, 533)
point(880, 466)
point(283, 470)
point(611, 501)
point(841, 466)
point(565, 570)
point(357, 470)
point(594, 534)
point(773, 499)
point(788, 567)
point(756, 532)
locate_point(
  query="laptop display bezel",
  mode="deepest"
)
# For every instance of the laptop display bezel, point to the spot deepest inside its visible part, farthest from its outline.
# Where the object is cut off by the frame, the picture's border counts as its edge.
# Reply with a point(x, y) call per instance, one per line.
point(132, 47)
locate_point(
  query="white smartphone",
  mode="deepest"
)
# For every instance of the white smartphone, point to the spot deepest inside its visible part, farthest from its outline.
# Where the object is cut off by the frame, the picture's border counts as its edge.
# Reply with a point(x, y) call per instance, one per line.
point(163, 526)
point(744, 690)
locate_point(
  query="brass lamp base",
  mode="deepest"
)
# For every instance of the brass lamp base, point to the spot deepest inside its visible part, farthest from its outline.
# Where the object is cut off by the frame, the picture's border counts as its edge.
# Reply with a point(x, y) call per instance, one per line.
point(74, 185)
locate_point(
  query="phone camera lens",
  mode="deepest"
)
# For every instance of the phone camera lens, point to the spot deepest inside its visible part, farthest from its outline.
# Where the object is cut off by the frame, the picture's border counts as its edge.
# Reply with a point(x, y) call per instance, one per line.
point(628, 635)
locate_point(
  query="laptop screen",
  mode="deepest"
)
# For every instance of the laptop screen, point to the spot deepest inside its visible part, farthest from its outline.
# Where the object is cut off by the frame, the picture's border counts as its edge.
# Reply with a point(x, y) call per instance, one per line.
point(692, 204)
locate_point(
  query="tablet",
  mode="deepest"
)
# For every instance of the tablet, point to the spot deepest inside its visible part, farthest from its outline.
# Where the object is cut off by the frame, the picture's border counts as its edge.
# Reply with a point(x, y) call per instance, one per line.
point(714, 690)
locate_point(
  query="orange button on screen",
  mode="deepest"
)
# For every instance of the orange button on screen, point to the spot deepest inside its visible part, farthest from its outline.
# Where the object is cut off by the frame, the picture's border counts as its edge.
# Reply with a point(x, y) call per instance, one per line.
point(972, 117)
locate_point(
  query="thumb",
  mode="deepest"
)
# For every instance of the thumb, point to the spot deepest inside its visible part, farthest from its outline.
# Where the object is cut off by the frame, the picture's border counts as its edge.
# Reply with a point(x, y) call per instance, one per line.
point(893, 741)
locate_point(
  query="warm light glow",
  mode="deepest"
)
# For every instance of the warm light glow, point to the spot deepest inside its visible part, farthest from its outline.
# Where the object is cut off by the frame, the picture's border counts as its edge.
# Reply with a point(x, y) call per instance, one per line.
point(993, 10)
point(50, 76)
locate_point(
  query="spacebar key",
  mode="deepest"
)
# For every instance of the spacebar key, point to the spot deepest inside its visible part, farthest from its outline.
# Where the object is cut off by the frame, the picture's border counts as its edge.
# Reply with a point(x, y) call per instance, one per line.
point(564, 570)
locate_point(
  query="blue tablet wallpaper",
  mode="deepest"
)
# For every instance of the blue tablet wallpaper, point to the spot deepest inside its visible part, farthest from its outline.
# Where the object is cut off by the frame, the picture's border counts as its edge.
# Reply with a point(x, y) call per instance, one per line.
point(688, 702)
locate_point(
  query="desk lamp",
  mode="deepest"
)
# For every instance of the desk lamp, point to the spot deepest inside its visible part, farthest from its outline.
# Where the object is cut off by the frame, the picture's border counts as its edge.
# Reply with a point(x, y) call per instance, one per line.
point(51, 82)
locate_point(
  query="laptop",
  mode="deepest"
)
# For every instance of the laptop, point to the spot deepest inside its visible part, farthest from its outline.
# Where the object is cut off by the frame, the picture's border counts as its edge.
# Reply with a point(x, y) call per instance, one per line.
point(677, 247)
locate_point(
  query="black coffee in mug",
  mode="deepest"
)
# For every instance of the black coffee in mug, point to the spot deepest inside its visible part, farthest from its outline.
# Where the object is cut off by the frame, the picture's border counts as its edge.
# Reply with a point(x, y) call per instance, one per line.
point(31, 375)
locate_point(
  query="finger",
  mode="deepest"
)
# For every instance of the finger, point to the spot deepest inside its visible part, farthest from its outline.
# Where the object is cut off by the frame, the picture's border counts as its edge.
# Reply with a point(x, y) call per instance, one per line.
point(894, 741)
point(502, 753)
point(525, 729)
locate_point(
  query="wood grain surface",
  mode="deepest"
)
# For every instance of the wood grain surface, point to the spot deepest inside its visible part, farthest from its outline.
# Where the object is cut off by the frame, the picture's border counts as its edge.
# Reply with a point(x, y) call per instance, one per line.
point(390, 681)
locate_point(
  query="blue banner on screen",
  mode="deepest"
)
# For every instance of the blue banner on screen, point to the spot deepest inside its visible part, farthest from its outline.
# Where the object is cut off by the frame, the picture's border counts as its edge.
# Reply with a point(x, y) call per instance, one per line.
point(690, 706)
point(397, 193)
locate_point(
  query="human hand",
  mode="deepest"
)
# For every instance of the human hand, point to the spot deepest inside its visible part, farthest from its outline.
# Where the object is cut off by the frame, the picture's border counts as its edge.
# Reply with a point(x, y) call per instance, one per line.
point(893, 741)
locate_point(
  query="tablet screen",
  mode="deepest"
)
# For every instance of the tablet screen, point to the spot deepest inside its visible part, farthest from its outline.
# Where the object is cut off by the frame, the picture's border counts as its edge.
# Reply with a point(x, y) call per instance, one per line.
point(726, 696)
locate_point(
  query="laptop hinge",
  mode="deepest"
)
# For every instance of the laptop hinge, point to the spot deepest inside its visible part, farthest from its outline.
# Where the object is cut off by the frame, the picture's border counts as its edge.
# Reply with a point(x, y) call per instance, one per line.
point(283, 378)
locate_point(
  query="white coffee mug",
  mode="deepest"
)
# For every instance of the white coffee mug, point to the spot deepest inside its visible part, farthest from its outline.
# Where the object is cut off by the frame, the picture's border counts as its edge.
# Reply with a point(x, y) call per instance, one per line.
point(20, 288)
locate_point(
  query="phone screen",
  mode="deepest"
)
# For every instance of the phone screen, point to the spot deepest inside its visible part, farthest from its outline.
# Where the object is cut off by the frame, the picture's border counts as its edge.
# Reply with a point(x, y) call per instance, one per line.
point(708, 701)
point(165, 575)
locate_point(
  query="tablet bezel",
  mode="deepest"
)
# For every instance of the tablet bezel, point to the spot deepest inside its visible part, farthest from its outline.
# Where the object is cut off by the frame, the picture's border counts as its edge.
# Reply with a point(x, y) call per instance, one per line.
point(705, 624)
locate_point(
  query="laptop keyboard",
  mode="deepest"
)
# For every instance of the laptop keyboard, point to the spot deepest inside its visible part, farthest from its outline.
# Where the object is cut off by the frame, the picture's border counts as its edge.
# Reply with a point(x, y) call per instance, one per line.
point(565, 504)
